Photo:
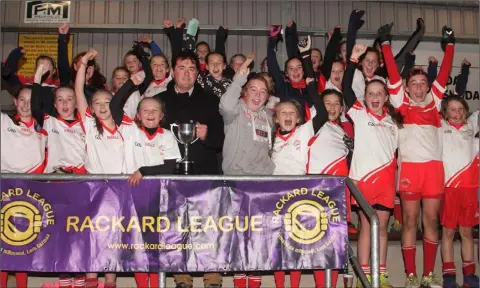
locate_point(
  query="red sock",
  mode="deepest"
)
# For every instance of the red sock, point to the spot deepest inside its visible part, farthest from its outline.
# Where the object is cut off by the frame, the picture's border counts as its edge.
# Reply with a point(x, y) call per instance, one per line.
point(366, 269)
point(240, 280)
point(79, 282)
point(153, 280)
point(65, 282)
point(141, 279)
point(91, 283)
point(383, 268)
point(295, 278)
point(319, 276)
point(3, 279)
point(409, 260)
point(110, 285)
point(397, 210)
point(334, 278)
point(448, 268)
point(468, 268)
point(254, 281)
point(279, 279)
point(21, 279)
point(429, 255)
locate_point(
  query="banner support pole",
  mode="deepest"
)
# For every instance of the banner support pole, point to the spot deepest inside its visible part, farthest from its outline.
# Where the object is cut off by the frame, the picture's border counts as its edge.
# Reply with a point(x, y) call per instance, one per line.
point(162, 280)
point(328, 278)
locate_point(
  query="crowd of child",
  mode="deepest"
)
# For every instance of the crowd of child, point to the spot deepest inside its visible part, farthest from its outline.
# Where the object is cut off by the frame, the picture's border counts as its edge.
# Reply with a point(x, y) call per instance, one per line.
point(302, 120)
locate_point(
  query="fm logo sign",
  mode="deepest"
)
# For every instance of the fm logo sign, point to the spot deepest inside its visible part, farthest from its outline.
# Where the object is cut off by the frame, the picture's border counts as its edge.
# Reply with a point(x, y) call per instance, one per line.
point(47, 12)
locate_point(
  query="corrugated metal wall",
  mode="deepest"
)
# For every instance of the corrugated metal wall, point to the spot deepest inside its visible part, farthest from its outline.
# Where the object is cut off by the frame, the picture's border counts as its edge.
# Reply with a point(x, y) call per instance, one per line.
point(313, 15)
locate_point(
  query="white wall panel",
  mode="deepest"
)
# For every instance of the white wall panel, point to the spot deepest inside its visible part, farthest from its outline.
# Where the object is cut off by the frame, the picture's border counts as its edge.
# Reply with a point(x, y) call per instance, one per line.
point(313, 15)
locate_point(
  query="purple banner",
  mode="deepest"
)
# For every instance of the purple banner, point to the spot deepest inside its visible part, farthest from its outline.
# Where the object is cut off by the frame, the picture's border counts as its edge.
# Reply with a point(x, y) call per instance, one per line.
point(173, 225)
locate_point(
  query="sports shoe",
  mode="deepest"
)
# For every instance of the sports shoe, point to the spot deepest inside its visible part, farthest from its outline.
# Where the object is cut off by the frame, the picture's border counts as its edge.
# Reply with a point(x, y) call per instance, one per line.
point(183, 285)
point(359, 283)
point(471, 281)
point(449, 281)
point(411, 281)
point(384, 281)
point(213, 286)
point(430, 281)
point(352, 229)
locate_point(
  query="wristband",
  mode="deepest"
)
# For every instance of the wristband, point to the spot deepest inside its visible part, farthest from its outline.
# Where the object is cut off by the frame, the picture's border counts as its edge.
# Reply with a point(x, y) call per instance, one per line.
point(354, 60)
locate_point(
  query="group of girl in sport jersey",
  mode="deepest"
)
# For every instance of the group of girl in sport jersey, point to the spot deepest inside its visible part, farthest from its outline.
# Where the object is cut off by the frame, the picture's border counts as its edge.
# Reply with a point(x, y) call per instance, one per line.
point(408, 138)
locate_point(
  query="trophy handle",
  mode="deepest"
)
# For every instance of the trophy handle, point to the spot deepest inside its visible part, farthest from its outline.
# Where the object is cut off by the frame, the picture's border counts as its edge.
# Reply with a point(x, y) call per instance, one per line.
point(173, 132)
point(194, 141)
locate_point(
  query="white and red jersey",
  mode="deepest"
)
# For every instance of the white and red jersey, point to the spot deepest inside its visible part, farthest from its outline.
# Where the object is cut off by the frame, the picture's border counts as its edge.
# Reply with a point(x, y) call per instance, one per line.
point(23, 148)
point(130, 107)
point(290, 151)
point(157, 86)
point(105, 153)
point(376, 139)
point(328, 151)
point(143, 149)
point(460, 153)
point(66, 144)
point(420, 139)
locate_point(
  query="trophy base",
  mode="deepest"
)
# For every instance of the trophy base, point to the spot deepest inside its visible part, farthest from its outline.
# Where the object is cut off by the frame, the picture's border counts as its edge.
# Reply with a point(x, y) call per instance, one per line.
point(186, 167)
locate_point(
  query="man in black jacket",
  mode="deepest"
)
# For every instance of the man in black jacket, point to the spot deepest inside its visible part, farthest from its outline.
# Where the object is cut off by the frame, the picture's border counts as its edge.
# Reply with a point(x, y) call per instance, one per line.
point(186, 102)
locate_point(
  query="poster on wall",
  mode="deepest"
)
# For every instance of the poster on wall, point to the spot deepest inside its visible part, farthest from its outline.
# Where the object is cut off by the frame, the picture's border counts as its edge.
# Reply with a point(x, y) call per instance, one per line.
point(47, 11)
point(36, 45)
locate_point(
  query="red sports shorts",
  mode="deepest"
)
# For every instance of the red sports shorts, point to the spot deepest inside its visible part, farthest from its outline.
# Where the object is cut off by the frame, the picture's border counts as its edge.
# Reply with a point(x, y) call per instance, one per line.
point(459, 207)
point(421, 180)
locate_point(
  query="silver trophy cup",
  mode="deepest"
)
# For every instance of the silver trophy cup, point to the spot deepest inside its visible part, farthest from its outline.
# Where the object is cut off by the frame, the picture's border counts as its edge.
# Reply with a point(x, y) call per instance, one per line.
point(186, 135)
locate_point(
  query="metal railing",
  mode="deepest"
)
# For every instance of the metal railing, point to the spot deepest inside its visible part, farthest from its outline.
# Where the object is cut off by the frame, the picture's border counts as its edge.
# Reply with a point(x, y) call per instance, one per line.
point(362, 202)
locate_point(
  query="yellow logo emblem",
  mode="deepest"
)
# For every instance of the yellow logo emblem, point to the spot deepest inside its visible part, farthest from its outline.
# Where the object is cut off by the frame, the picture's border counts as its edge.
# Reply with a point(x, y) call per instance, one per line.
point(297, 231)
point(23, 211)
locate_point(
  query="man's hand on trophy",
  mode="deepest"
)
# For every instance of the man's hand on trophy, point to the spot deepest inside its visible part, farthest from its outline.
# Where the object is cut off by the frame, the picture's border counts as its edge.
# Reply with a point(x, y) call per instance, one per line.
point(201, 131)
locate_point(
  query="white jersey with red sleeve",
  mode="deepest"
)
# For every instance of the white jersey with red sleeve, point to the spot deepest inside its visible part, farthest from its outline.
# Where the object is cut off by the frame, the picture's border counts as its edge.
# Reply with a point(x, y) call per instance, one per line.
point(106, 152)
point(143, 149)
point(23, 148)
point(420, 139)
point(460, 154)
point(290, 152)
point(157, 86)
point(376, 139)
point(66, 144)
point(130, 107)
point(327, 150)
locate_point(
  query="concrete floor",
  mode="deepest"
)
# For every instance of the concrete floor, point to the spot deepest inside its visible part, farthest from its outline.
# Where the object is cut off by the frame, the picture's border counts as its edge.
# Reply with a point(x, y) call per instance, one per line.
point(394, 267)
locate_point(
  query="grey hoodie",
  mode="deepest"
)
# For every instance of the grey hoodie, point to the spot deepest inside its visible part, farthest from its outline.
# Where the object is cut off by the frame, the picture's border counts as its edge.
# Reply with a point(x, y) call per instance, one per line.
point(248, 135)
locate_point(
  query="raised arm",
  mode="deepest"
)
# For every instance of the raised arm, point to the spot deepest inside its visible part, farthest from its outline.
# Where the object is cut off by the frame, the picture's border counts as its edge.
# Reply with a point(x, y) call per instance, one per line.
point(142, 55)
point(220, 39)
point(36, 98)
point(11, 65)
point(121, 97)
point(462, 78)
point(409, 64)
point(448, 45)
point(291, 39)
point(154, 48)
point(229, 100)
point(64, 71)
point(272, 63)
point(175, 35)
point(411, 44)
point(432, 69)
point(331, 52)
point(191, 36)
point(354, 24)
point(82, 103)
point(348, 94)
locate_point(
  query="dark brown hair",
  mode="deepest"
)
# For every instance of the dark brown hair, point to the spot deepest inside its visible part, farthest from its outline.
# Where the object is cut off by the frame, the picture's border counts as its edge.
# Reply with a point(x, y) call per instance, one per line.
point(396, 116)
point(186, 55)
point(16, 95)
point(97, 81)
point(414, 72)
point(54, 65)
point(160, 56)
point(451, 98)
point(98, 124)
point(340, 97)
point(162, 108)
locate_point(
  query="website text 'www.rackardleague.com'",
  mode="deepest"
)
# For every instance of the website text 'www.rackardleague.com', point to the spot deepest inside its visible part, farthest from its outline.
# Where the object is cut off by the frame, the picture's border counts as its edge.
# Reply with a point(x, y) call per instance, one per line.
point(162, 246)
